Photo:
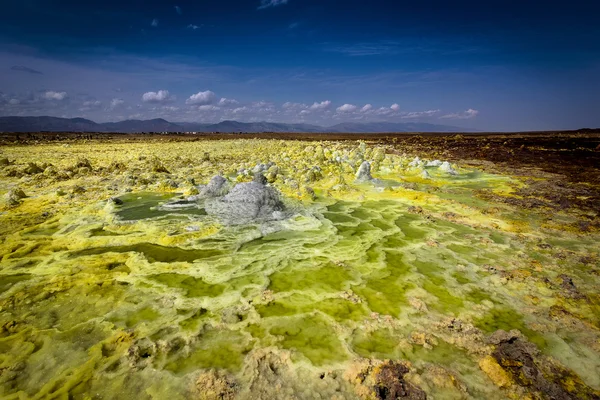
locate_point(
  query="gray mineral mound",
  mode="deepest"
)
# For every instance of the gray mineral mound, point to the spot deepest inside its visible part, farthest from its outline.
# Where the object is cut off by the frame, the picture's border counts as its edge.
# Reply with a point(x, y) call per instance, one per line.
point(247, 203)
point(217, 187)
point(434, 163)
point(364, 172)
point(363, 175)
point(446, 167)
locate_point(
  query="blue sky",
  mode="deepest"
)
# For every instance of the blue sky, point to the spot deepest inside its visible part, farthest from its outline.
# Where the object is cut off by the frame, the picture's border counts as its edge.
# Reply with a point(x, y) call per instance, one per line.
point(496, 65)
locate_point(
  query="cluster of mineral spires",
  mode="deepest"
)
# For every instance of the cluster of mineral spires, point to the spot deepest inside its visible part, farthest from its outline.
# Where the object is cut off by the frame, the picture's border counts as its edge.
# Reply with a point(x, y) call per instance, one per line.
point(270, 269)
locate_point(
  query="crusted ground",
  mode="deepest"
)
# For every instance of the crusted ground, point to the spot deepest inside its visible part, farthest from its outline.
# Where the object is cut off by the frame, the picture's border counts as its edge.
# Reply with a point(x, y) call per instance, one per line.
point(478, 279)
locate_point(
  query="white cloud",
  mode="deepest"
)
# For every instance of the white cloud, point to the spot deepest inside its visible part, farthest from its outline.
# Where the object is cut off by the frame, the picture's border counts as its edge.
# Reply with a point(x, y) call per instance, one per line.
point(50, 95)
point(156, 97)
point(262, 104)
point(321, 106)
point(347, 108)
point(14, 102)
point(290, 107)
point(208, 107)
point(383, 111)
point(271, 3)
point(241, 110)
point(178, 10)
point(224, 102)
point(114, 103)
point(420, 114)
point(90, 105)
point(261, 108)
point(470, 113)
point(366, 108)
point(293, 25)
point(193, 27)
point(201, 98)
point(154, 23)
point(395, 107)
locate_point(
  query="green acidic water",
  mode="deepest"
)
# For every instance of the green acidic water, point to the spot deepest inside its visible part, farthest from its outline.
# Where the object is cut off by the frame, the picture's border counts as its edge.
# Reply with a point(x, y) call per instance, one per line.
point(193, 287)
point(153, 252)
point(138, 206)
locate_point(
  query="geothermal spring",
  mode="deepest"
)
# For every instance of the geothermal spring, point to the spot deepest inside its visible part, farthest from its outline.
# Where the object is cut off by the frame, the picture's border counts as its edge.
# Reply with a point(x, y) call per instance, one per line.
point(262, 269)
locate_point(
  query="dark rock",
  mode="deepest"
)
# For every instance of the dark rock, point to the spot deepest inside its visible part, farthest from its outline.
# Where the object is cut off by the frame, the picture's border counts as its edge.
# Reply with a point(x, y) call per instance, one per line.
point(501, 336)
point(569, 288)
point(391, 385)
point(521, 360)
point(141, 353)
point(415, 210)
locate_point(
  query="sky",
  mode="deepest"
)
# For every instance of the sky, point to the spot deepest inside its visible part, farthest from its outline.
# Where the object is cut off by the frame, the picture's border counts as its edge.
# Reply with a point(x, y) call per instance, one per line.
point(486, 65)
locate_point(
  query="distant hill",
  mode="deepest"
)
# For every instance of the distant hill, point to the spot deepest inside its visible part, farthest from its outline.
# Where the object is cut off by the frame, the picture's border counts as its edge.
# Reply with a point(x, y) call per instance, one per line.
point(55, 124)
point(135, 125)
point(378, 127)
point(254, 127)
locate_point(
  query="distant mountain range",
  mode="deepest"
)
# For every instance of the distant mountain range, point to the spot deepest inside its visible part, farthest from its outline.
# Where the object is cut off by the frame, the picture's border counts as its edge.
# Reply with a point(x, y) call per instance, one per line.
point(54, 124)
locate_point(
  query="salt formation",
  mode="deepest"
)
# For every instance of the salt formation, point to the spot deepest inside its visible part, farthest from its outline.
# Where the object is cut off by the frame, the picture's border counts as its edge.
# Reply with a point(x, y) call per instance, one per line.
point(247, 202)
point(446, 167)
point(259, 168)
point(416, 162)
point(116, 201)
point(442, 166)
point(217, 187)
point(434, 163)
point(364, 172)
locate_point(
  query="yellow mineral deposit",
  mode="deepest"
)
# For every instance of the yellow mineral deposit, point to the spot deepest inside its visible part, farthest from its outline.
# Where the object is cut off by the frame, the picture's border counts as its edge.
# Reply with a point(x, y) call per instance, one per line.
point(121, 278)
